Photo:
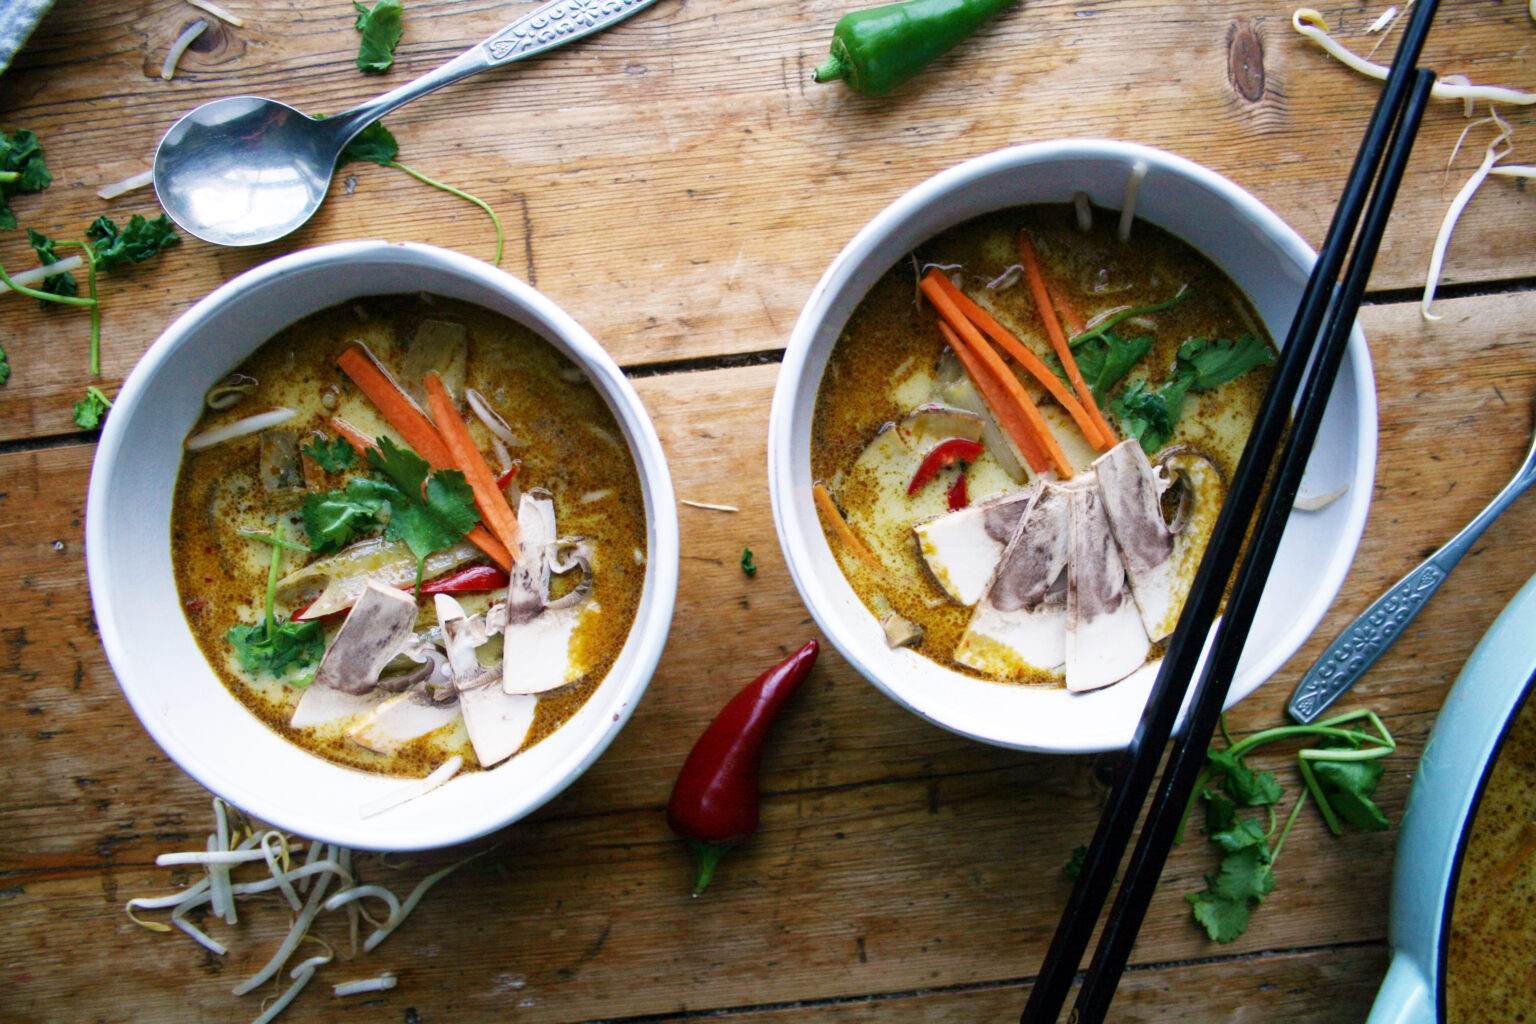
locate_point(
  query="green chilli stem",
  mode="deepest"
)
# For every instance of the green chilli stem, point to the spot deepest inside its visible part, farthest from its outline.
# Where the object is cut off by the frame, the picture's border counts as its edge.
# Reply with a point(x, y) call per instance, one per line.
point(495, 220)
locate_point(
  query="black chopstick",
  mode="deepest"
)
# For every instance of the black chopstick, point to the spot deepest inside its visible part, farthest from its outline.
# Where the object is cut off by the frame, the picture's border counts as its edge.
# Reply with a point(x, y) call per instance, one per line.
point(1396, 118)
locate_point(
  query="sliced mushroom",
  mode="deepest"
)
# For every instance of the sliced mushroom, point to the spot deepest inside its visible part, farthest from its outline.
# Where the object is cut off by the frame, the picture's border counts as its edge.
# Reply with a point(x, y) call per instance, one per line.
point(322, 704)
point(934, 421)
point(497, 722)
point(538, 632)
point(400, 719)
point(961, 550)
point(1019, 628)
point(1105, 640)
point(1159, 558)
point(378, 626)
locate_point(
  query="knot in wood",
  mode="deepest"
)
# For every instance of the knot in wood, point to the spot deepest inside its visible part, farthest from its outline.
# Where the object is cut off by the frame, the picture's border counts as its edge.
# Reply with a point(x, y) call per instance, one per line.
point(1245, 61)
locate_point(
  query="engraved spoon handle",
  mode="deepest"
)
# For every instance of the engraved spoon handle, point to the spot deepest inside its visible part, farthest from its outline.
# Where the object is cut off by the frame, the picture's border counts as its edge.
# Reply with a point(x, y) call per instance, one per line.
point(1364, 639)
point(545, 27)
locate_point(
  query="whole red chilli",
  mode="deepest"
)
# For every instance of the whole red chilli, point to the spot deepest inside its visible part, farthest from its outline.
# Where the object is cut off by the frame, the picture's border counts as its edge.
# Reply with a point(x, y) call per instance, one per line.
point(714, 802)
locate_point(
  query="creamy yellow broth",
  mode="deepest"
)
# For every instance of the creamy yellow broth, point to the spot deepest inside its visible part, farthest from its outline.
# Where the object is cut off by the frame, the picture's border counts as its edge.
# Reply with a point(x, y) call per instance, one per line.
point(573, 448)
point(891, 353)
point(1490, 969)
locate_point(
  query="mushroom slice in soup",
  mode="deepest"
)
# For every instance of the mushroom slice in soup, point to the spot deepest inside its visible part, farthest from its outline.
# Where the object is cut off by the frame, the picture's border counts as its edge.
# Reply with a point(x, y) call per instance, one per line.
point(497, 722)
point(381, 622)
point(1105, 641)
point(1159, 557)
point(402, 718)
point(537, 631)
point(961, 550)
point(1019, 628)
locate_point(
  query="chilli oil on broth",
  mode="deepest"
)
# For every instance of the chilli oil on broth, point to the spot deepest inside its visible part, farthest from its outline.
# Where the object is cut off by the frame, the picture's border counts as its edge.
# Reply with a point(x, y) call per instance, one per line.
point(893, 391)
point(568, 450)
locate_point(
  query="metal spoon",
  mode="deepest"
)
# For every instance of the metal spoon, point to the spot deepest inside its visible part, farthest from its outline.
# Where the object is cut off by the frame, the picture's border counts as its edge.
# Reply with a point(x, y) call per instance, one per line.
point(1362, 642)
point(247, 170)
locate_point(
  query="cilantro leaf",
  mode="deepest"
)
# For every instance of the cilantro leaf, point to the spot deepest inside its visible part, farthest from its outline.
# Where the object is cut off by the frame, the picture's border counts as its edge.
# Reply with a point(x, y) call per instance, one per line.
point(55, 284)
point(1348, 786)
point(1145, 415)
point(427, 511)
point(1248, 787)
point(91, 409)
point(113, 249)
point(381, 31)
point(21, 170)
point(1224, 919)
point(374, 144)
point(1211, 364)
point(332, 519)
point(288, 645)
point(1104, 359)
point(5, 367)
point(1245, 874)
point(747, 565)
point(334, 455)
point(1074, 865)
point(1220, 811)
point(1244, 834)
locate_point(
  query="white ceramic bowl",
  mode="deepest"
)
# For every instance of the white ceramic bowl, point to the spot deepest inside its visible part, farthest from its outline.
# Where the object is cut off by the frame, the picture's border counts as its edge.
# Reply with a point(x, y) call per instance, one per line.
point(162, 672)
point(1265, 257)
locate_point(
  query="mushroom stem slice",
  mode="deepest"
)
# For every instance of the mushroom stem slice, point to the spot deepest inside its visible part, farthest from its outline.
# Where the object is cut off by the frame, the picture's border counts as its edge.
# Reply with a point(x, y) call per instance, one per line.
point(498, 723)
point(381, 622)
point(961, 550)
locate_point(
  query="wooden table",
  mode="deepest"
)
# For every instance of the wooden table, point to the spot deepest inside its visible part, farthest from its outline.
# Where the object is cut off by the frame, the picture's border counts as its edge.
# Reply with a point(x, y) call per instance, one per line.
point(678, 184)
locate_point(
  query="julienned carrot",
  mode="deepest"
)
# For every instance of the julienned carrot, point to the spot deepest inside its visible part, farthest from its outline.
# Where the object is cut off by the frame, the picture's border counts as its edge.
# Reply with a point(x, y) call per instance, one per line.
point(997, 399)
point(398, 409)
point(1027, 359)
point(1071, 316)
point(1053, 330)
point(840, 526)
point(1020, 417)
point(359, 441)
point(489, 498)
point(421, 435)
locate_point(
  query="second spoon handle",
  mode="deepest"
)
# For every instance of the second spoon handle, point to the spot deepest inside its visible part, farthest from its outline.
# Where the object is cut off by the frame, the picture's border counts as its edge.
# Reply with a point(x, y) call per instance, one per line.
point(545, 27)
point(1373, 631)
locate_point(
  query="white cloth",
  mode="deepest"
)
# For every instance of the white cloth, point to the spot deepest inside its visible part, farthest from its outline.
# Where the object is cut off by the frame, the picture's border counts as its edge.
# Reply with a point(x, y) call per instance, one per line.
point(17, 19)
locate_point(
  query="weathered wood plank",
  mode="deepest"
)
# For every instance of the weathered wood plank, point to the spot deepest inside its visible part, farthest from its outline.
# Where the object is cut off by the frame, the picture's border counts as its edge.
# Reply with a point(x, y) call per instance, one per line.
point(897, 864)
point(677, 183)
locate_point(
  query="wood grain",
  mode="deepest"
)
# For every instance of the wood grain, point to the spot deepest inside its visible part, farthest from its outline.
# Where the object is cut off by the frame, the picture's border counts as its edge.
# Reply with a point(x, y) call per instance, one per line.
point(679, 185)
point(901, 872)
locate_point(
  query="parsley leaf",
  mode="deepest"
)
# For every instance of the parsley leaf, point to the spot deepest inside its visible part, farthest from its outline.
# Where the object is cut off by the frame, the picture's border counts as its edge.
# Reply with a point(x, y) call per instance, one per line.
point(21, 170)
point(1349, 786)
point(1145, 415)
point(428, 511)
point(1104, 359)
point(747, 565)
point(5, 367)
point(374, 144)
point(56, 284)
point(1224, 919)
point(334, 454)
point(91, 409)
point(332, 519)
point(1210, 364)
point(112, 249)
point(1248, 787)
point(286, 645)
point(1200, 365)
point(381, 31)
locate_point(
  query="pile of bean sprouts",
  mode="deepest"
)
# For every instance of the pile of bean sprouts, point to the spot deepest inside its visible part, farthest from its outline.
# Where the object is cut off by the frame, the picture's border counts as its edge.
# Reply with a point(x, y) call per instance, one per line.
point(311, 877)
point(1452, 87)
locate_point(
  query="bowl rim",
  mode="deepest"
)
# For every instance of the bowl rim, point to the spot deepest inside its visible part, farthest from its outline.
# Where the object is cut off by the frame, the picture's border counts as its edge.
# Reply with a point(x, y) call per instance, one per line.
point(805, 547)
point(483, 806)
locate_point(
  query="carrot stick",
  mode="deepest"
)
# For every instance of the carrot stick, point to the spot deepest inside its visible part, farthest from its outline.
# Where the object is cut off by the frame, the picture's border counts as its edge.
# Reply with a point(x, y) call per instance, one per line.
point(1027, 359)
point(359, 441)
point(399, 410)
point(1059, 340)
point(998, 400)
point(1020, 417)
point(467, 458)
point(840, 527)
point(1071, 316)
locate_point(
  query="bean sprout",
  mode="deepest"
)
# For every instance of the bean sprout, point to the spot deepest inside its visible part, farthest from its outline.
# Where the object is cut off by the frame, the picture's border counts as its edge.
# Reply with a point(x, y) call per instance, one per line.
point(354, 988)
point(217, 12)
point(179, 47)
point(417, 787)
point(240, 428)
point(128, 184)
point(1128, 208)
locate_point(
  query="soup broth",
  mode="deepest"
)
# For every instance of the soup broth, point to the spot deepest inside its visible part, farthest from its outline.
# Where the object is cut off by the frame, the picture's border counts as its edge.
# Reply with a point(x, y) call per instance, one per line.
point(234, 498)
point(887, 401)
point(1490, 962)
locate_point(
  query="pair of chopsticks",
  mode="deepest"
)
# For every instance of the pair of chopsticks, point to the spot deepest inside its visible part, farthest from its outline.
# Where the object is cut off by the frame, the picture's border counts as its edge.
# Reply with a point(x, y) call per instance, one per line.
point(1307, 365)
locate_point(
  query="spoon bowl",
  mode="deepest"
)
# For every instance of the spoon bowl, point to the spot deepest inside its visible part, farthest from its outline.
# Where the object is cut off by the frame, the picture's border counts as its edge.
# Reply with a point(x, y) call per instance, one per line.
point(246, 170)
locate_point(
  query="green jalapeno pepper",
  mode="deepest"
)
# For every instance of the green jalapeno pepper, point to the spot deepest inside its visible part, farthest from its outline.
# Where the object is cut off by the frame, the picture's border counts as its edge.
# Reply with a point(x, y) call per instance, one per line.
point(877, 49)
